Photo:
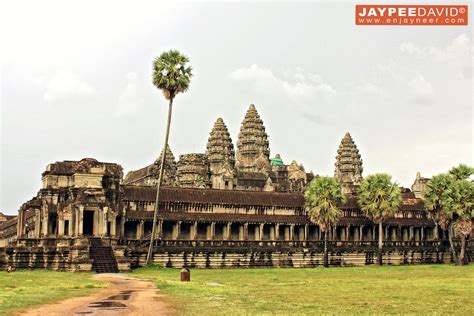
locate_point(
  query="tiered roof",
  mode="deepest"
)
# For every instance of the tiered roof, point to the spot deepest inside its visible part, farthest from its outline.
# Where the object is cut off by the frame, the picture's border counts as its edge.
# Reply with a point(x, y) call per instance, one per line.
point(252, 145)
point(220, 149)
point(348, 162)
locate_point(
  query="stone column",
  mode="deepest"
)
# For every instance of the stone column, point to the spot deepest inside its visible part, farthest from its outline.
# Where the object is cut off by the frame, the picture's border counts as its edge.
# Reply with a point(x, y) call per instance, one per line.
point(45, 224)
point(361, 232)
point(113, 225)
point(260, 232)
point(37, 223)
point(306, 232)
point(176, 230)
point(194, 233)
point(348, 232)
point(422, 233)
point(141, 229)
point(19, 224)
point(412, 235)
point(246, 231)
point(60, 226)
point(213, 231)
point(292, 231)
point(80, 221)
point(228, 231)
point(277, 231)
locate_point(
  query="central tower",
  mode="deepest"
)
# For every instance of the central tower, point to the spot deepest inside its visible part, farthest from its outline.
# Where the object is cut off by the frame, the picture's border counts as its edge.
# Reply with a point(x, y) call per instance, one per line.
point(253, 150)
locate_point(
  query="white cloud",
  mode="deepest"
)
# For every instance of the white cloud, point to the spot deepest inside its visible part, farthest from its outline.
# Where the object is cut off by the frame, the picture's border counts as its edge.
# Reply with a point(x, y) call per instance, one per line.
point(459, 53)
point(63, 87)
point(421, 90)
point(298, 89)
point(131, 99)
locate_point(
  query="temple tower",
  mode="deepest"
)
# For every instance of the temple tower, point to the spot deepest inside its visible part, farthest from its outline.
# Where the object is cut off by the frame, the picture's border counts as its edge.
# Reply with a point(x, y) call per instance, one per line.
point(348, 165)
point(193, 171)
point(149, 175)
point(221, 156)
point(253, 150)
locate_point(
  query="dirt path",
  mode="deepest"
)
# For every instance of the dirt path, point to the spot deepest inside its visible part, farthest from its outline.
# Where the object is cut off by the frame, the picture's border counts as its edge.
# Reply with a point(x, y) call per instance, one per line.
point(126, 296)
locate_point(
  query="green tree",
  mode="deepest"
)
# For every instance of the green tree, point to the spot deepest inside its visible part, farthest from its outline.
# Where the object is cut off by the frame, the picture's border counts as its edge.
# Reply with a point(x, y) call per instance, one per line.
point(323, 201)
point(449, 199)
point(438, 191)
point(379, 198)
point(462, 172)
point(172, 76)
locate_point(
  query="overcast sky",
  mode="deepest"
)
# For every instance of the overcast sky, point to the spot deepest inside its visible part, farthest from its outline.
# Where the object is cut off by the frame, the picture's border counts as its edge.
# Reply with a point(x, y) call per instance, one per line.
point(76, 82)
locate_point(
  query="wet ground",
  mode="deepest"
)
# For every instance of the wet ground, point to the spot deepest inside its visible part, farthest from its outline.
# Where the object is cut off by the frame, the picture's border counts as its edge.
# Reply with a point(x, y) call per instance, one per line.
point(126, 296)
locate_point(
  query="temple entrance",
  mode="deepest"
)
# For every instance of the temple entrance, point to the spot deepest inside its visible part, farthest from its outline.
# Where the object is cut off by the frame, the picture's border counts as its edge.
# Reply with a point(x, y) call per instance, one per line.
point(88, 223)
point(52, 224)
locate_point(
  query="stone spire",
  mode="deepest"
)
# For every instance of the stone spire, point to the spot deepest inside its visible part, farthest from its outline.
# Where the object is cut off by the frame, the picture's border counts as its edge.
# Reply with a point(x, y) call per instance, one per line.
point(169, 172)
point(253, 151)
point(149, 174)
point(193, 171)
point(221, 156)
point(348, 164)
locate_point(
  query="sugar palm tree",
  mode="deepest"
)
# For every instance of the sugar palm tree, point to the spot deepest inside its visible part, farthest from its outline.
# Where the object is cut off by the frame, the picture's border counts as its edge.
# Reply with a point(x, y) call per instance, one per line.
point(379, 198)
point(462, 172)
point(461, 206)
point(438, 191)
point(449, 199)
point(172, 76)
point(323, 201)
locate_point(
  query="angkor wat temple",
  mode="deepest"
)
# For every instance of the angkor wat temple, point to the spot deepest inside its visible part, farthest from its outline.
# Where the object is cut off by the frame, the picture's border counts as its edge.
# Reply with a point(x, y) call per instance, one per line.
point(221, 208)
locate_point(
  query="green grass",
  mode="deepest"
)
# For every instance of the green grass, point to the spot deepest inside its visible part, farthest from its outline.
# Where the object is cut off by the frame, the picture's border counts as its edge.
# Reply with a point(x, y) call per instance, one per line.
point(24, 288)
point(423, 289)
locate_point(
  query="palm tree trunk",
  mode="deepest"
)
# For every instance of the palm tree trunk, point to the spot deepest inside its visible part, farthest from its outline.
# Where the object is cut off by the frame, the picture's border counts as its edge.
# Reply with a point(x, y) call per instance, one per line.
point(149, 258)
point(326, 259)
point(379, 255)
point(450, 238)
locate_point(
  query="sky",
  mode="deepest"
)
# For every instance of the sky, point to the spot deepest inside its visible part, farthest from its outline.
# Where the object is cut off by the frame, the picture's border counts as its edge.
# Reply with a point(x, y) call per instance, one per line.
point(75, 82)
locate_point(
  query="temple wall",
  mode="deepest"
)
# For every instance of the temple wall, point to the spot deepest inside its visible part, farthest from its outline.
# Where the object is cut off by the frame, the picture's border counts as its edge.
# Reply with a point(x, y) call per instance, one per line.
point(294, 258)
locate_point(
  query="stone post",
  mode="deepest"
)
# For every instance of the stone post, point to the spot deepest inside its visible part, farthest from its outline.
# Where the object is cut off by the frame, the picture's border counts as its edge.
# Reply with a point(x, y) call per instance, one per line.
point(422, 233)
point(45, 224)
point(246, 231)
point(80, 221)
point(306, 232)
point(228, 231)
point(37, 223)
point(292, 231)
point(113, 225)
point(260, 232)
point(194, 232)
point(141, 229)
point(361, 232)
point(277, 231)
point(60, 226)
point(348, 231)
point(213, 230)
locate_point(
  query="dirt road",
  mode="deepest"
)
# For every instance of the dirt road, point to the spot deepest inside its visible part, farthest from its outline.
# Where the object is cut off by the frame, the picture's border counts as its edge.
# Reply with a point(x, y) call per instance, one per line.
point(126, 296)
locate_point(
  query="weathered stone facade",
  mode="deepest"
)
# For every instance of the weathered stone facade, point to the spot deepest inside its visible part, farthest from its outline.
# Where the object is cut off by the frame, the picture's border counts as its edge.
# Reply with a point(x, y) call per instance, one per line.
point(216, 209)
point(348, 165)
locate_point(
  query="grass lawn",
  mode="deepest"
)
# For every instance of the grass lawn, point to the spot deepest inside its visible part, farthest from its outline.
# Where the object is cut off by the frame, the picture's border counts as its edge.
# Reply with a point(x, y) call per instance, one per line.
point(24, 288)
point(433, 289)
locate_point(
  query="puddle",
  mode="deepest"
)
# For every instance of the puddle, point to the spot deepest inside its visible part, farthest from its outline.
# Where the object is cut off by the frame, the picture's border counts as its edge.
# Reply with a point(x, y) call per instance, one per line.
point(107, 305)
point(123, 296)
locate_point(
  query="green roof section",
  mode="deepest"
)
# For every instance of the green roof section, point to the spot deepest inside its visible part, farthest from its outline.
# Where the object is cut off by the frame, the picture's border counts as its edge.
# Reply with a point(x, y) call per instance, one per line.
point(277, 161)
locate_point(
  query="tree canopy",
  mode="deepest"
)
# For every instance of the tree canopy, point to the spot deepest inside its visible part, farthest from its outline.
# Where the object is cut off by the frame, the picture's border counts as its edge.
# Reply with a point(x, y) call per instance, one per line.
point(171, 74)
point(379, 197)
point(324, 200)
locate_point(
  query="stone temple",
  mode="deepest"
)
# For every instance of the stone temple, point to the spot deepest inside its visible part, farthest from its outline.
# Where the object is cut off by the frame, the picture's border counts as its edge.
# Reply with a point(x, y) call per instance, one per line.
point(224, 207)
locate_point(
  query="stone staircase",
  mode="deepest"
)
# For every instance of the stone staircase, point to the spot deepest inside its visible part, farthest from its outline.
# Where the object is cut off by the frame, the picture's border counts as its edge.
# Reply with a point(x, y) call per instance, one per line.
point(103, 257)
